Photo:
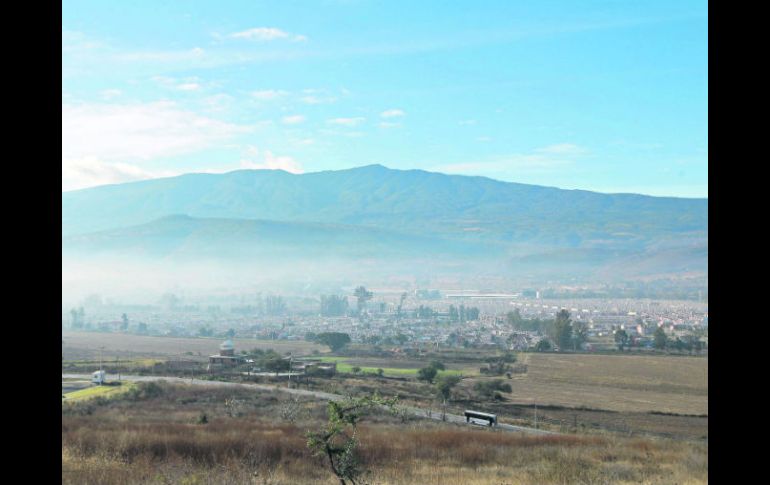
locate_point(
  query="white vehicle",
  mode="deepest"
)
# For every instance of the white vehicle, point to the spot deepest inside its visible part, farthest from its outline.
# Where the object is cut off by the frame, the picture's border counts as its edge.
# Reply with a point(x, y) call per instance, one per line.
point(98, 377)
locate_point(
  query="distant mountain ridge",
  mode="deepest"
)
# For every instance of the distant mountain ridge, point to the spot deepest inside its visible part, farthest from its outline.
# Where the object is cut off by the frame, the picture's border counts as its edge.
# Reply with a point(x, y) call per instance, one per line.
point(389, 221)
point(413, 201)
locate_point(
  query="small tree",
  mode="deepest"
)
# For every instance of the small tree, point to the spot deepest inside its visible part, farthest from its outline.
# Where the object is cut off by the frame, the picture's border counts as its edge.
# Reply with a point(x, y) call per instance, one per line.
point(514, 318)
point(562, 330)
point(621, 339)
point(580, 333)
point(444, 385)
point(427, 374)
point(660, 338)
point(543, 346)
point(337, 439)
point(335, 340)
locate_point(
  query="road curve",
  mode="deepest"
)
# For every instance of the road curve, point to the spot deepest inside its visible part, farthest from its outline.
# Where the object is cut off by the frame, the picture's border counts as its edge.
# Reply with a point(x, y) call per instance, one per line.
point(415, 411)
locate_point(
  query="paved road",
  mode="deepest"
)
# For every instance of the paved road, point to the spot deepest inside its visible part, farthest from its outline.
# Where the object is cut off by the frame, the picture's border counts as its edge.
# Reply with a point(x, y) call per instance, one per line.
point(419, 412)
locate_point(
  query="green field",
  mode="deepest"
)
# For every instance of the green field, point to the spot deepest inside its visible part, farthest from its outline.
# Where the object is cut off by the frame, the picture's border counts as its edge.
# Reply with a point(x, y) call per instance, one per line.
point(98, 391)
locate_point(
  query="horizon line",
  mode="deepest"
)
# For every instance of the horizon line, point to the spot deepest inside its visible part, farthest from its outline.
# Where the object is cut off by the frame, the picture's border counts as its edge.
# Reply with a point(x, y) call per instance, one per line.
point(382, 166)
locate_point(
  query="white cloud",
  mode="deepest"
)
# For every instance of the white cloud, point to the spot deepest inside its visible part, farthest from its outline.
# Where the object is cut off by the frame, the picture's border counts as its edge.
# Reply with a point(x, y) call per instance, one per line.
point(567, 149)
point(110, 93)
point(529, 163)
point(73, 41)
point(313, 99)
point(218, 102)
point(134, 132)
point(346, 121)
point(164, 80)
point(540, 160)
point(293, 120)
point(90, 171)
point(392, 113)
point(166, 57)
point(467, 122)
point(267, 34)
point(187, 84)
point(268, 94)
point(189, 87)
point(388, 124)
point(269, 161)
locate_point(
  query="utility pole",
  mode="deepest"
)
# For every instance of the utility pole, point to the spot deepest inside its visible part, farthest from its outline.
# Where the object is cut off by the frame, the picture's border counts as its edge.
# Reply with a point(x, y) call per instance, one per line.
point(101, 375)
point(288, 381)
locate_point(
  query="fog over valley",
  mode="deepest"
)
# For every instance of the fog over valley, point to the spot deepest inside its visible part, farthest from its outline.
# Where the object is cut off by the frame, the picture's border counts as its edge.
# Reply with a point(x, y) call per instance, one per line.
point(269, 229)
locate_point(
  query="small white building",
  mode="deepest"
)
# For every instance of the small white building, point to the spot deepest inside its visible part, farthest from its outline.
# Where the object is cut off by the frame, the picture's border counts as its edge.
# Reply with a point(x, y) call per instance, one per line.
point(98, 377)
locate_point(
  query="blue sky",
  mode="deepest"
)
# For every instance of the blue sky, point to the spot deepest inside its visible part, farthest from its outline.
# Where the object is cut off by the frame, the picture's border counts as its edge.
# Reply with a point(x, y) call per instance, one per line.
point(598, 95)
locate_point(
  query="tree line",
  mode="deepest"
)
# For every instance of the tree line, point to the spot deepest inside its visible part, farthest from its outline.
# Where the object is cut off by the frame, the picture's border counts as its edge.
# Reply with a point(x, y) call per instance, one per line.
point(562, 330)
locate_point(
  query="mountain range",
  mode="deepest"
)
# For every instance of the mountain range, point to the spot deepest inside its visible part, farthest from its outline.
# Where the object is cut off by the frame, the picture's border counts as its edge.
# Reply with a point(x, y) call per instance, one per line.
point(380, 214)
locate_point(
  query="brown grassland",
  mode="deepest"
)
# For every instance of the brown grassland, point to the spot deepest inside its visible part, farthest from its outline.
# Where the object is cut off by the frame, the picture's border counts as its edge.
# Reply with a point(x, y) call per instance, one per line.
point(155, 435)
point(86, 345)
point(618, 382)
point(623, 383)
point(649, 394)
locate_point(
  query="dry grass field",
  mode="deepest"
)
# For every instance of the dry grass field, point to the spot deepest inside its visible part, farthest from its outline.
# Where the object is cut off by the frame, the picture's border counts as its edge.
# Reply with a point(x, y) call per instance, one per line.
point(85, 345)
point(157, 437)
point(648, 394)
point(624, 383)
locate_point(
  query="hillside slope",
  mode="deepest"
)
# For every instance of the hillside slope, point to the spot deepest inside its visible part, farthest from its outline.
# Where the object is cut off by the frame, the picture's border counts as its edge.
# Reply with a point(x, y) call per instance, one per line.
point(411, 201)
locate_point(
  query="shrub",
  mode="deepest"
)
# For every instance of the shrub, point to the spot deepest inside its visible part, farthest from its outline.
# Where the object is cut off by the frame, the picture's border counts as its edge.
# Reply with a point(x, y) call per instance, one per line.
point(491, 389)
point(145, 390)
point(427, 374)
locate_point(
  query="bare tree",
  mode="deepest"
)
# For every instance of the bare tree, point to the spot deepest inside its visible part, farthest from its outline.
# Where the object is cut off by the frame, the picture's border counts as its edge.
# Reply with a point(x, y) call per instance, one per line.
point(337, 439)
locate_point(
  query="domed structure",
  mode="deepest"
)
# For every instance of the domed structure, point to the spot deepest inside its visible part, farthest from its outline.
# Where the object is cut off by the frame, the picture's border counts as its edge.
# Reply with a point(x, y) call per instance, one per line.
point(226, 356)
point(227, 348)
